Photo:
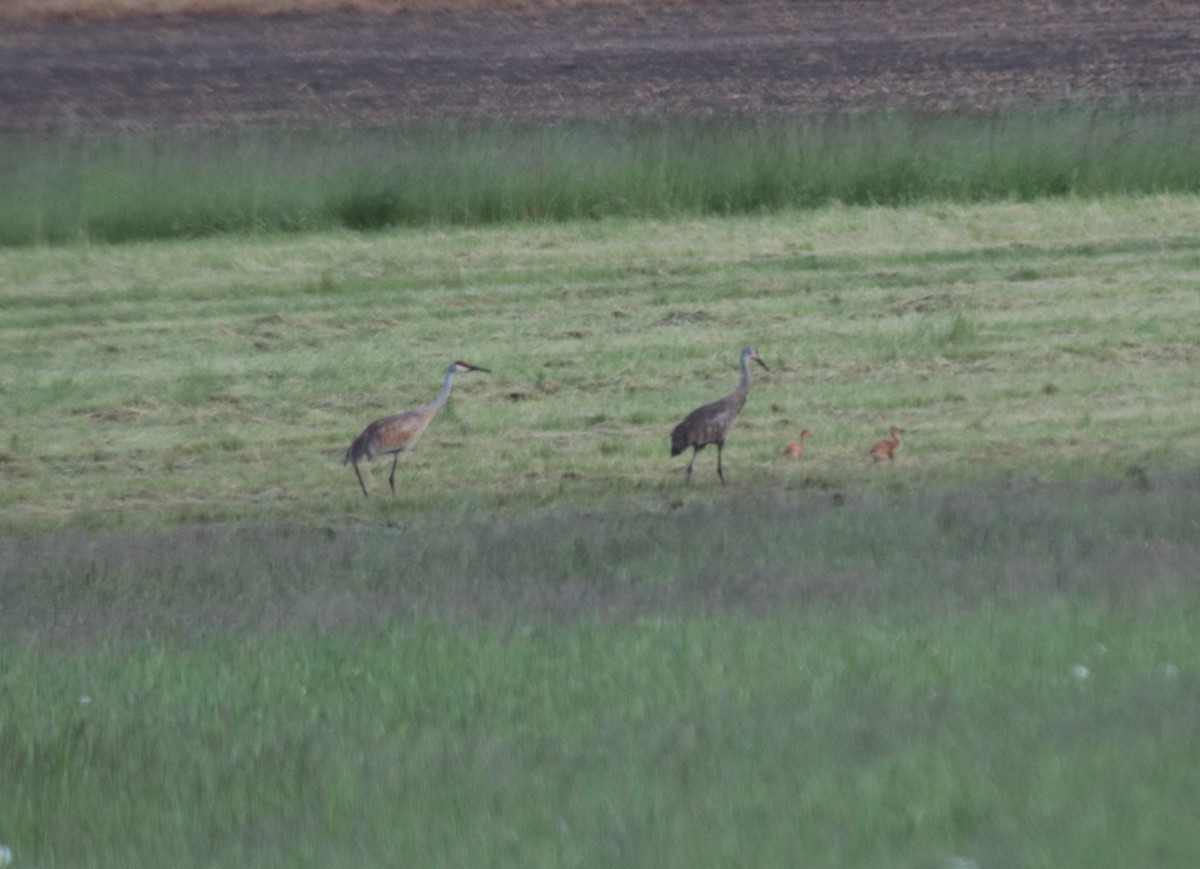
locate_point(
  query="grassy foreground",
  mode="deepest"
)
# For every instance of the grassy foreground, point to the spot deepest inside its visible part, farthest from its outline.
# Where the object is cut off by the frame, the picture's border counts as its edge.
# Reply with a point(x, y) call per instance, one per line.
point(546, 651)
point(808, 740)
point(1002, 675)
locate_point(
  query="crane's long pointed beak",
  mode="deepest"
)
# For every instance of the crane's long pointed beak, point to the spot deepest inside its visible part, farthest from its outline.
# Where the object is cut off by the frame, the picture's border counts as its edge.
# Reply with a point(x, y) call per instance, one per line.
point(760, 362)
point(479, 368)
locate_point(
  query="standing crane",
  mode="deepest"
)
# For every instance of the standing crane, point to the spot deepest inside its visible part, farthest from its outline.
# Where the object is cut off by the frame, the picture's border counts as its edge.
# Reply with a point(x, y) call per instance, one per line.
point(795, 449)
point(886, 449)
point(709, 424)
point(399, 433)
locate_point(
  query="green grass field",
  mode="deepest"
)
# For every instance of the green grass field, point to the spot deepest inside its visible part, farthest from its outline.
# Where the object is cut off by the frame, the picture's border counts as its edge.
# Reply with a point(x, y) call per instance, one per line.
point(222, 379)
point(546, 650)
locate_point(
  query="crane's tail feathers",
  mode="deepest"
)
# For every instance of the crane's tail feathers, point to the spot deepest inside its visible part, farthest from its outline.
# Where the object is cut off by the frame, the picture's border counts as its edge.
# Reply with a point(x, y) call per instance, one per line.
point(679, 440)
point(359, 450)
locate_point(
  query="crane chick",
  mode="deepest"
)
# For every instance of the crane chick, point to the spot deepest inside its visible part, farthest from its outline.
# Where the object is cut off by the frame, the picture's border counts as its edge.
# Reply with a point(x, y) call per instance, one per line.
point(399, 433)
point(709, 424)
point(795, 449)
point(886, 449)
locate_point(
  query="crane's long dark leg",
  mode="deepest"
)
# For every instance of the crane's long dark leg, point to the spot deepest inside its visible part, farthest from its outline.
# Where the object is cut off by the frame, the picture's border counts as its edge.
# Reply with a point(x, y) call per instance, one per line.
point(720, 473)
point(360, 480)
point(392, 475)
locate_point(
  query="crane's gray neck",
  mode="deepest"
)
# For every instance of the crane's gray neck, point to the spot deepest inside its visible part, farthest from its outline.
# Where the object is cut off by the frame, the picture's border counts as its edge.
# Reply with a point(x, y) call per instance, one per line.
point(744, 386)
point(446, 385)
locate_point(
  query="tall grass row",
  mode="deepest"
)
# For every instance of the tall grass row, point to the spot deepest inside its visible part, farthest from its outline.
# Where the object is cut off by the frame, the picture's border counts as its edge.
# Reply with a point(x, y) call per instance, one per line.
point(67, 186)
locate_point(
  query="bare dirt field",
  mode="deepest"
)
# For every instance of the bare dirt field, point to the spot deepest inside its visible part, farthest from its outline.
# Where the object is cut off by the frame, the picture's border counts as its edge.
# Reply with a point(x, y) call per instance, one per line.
point(608, 61)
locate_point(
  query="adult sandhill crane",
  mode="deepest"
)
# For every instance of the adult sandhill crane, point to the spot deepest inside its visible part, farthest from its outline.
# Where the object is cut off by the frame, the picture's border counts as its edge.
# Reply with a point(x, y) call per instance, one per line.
point(709, 424)
point(399, 433)
point(886, 449)
point(795, 449)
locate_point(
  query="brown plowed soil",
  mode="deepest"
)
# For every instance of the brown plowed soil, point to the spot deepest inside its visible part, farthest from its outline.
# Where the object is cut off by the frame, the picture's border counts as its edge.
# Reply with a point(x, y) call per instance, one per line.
point(602, 61)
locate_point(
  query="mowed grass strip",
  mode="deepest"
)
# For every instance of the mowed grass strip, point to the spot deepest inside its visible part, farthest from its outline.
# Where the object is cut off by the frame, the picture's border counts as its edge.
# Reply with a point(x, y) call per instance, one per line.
point(224, 378)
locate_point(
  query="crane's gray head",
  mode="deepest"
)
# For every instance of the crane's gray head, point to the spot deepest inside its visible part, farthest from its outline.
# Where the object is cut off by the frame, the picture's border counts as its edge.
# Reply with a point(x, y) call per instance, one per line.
point(459, 367)
point(752, 353)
